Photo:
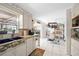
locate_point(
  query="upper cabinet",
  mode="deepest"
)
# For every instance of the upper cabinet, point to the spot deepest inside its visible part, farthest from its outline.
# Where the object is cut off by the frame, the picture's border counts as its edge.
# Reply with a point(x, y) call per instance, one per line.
point(75, 21)
point(75, 10)
point(27, 21)
point(30, 22)
point(75, 16)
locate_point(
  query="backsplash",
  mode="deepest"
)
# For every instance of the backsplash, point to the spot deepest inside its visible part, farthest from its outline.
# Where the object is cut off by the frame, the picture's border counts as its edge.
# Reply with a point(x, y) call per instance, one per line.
point(3, 36)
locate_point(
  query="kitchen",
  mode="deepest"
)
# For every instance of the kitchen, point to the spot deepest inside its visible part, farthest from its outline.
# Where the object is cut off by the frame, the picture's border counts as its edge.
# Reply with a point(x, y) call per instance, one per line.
point(15, 39)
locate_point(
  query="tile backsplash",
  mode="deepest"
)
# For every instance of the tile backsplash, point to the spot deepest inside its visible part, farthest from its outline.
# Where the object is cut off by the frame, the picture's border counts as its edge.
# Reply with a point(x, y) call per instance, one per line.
point(3, 36)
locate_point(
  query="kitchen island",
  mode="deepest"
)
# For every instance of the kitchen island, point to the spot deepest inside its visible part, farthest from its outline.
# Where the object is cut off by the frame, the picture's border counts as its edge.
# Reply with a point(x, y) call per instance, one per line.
point(20, 47)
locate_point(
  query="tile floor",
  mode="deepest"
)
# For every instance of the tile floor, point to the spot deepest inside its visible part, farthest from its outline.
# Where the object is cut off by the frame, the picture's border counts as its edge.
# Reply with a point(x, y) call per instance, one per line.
point(74, 47)
point(52, 49)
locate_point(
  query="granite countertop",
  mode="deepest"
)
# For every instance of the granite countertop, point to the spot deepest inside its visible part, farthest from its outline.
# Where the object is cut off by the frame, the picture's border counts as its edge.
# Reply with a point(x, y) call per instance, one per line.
point(30, 36)
point(27, 37)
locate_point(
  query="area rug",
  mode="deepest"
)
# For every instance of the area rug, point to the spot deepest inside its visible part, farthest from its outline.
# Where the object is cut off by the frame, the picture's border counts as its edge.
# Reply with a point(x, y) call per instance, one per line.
point(37, 52)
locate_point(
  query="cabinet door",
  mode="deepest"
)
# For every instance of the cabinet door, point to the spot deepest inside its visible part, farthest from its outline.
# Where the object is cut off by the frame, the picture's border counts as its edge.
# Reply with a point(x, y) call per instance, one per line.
point(9, 52)
point(29, 46)
point(33, 44)
point(37, 41)
point(21, 50)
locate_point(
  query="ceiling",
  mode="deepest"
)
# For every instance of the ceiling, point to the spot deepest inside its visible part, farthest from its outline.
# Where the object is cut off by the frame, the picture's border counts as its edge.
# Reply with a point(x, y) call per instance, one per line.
point(7, 18)
point(44, 11)
point(5, 15)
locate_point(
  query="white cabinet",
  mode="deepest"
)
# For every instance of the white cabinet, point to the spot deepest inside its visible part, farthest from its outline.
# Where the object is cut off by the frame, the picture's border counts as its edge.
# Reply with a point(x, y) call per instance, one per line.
point(9, 52)
point(29, 46)
point(21, 50)
point(31, 43)
point(27, 21)
point(75, 10)
point(37, 39)
point(30, 23)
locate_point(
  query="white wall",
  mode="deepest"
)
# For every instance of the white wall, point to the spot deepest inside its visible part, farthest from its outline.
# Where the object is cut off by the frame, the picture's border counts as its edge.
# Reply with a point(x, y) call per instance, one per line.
point(68, 31)
point(43, 30)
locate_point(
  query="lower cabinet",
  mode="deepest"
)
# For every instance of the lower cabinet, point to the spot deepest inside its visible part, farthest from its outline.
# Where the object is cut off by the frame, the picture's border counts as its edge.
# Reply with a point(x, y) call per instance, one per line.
point(31, 43)
point(20, 50)
point(9, 52)
point(38, 40)
point(23, 49)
